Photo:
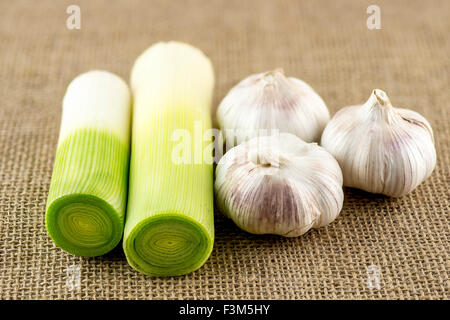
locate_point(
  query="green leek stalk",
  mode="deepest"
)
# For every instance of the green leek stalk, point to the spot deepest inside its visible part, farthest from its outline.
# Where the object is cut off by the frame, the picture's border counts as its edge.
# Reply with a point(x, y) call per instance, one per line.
point(88, 190)
point(169, 228)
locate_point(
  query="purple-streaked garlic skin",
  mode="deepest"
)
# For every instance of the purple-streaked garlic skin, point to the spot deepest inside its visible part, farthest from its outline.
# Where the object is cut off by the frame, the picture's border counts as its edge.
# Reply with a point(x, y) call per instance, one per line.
point(381, 149)
point(279, 185)
point(270, 101)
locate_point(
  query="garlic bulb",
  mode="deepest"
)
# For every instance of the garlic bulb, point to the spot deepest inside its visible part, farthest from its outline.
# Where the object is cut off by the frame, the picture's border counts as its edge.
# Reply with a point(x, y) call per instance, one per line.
point(381, 149)
point(270, 101)
point(279, 185)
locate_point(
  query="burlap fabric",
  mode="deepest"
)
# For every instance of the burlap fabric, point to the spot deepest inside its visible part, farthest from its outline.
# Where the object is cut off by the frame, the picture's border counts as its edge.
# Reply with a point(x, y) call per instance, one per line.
point(325, 43)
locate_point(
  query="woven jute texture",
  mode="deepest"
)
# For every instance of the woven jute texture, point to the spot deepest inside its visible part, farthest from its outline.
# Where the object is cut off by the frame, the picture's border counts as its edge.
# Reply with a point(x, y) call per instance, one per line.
point(327, 44)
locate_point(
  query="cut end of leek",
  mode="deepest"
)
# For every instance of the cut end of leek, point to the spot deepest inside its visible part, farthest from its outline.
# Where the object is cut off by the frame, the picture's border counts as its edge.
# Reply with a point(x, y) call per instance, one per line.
point(84, 225)
point(168, 245)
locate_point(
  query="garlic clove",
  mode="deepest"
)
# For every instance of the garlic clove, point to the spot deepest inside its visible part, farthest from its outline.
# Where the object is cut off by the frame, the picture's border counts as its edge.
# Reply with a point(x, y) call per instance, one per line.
point(381, 149)
point(279, 185)
point(269, 101)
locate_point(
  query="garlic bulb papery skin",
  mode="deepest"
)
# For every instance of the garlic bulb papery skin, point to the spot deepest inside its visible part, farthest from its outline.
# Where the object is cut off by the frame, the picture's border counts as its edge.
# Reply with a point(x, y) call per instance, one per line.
point(279, 185)
point(381, 149)
point(271, 101)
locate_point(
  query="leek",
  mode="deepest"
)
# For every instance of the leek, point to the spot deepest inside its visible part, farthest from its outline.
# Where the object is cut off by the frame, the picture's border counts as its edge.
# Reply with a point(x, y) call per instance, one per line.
point(169, 226)
point(87, 196)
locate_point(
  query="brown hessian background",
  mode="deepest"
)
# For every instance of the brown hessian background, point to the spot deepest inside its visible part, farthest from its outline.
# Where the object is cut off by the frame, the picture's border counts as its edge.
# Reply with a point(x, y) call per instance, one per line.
point(325, 43)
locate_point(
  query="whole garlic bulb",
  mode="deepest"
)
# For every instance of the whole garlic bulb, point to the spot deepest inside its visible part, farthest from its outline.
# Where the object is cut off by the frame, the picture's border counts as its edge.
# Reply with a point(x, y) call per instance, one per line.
point(381, 149)
point(279, 185)
point(270, 101)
